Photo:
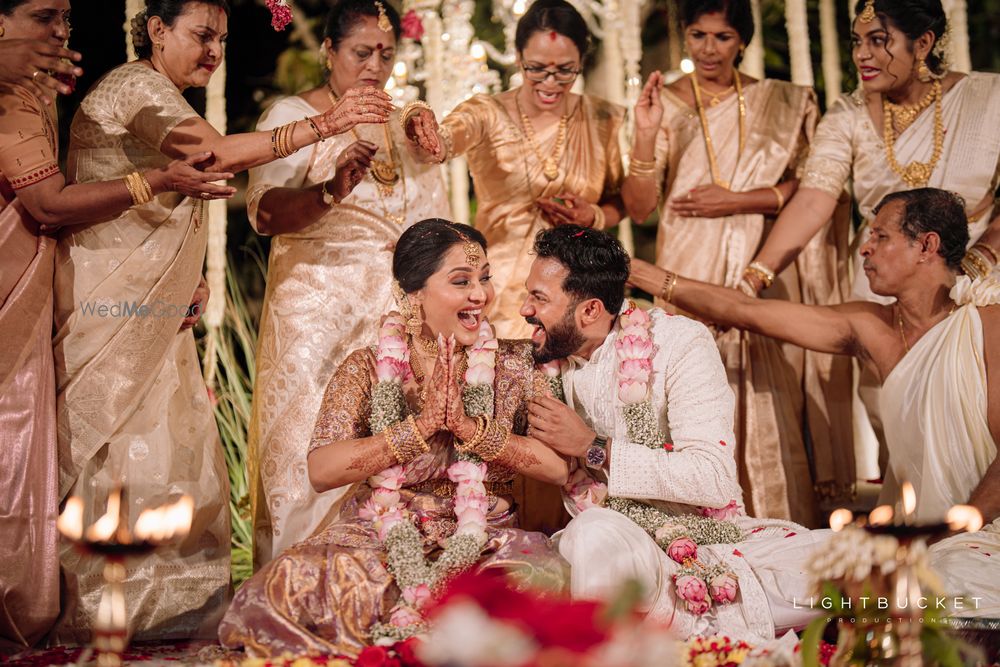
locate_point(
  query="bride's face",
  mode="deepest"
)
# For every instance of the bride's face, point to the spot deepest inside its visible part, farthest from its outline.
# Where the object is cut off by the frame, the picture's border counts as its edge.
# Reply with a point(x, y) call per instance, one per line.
point(456, 295)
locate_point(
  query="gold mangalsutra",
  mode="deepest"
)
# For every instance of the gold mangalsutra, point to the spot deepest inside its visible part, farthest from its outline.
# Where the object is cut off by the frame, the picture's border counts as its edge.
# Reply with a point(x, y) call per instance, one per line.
point(717, 97)
point(899, 319)
point(903, 115)
point(550, 164)
point(741, 105)
point(867, 14)
point(383, 172)
point(915, 174)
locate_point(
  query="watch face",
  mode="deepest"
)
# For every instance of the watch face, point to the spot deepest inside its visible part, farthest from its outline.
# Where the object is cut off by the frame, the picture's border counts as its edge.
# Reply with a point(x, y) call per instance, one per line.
point(596, 456)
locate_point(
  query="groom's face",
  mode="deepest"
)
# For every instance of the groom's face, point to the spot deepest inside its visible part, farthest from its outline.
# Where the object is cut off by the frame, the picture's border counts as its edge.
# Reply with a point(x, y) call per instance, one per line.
point(552, 311)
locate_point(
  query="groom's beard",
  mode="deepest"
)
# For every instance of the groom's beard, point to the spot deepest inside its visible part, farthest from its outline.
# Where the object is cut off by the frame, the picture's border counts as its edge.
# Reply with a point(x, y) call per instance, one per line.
point(562, 340)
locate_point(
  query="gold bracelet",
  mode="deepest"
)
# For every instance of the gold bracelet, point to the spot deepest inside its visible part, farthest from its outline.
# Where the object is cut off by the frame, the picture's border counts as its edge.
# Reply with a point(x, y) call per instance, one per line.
point(747, 288)
point(405, 441)
point(642, 168)
point(494, 441)
point(475, 440)
point(781, 198)
point(990, 249)
point(315, 128)
point(767, 275)
point(138, 188)
point(281, 140)
point(974, 265)
point(669, 283)
point(408, 110)
point(424, 445)
point(600, 220)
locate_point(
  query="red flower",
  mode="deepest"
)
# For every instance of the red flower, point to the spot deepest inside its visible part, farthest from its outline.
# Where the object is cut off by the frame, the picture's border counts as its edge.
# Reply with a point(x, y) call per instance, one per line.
point(373, 656)
point(281, 14)
point(413, 27)
point(669, 446)
point(407, 652)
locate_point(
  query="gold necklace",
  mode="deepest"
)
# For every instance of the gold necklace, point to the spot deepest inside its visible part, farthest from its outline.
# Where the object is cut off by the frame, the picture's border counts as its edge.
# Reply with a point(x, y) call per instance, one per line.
point(382, 187)
point(717, 97)
point(550, 164)
point(741, 104)
point(899, 319)
point(903, 115)
point(916, 174)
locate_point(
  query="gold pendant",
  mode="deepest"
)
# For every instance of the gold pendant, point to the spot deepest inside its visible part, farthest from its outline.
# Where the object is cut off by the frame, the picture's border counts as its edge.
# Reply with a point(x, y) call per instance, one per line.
point(551, 169)
point(715, 102)
point(384, 172)
point(916, 174)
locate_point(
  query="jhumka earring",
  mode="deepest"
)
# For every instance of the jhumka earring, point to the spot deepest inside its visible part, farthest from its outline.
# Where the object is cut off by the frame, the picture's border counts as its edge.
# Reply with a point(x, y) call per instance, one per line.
point(415, 324)
point(414, 321)
point(867, 14)
point(384, 24)
point(923, 71)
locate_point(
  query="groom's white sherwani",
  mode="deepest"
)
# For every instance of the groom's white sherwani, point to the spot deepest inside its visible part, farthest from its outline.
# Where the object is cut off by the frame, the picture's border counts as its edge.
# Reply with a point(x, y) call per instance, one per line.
point(691, 396)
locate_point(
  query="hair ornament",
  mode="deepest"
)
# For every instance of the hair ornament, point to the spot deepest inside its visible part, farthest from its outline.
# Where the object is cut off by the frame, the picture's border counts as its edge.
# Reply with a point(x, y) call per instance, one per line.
point(867, 14)
point(384, 24)
point(140, 36)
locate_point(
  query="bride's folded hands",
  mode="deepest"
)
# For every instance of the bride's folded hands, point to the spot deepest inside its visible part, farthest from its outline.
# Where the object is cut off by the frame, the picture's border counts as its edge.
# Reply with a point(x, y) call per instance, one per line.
point(433, 415)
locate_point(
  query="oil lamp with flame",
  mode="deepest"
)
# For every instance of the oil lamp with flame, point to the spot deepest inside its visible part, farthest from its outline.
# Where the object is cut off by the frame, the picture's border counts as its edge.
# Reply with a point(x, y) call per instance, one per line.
point(897, 640)
point(110, 537)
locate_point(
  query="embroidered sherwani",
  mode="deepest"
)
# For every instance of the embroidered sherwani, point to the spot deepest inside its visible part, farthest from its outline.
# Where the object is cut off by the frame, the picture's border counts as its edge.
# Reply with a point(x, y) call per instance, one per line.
point(29, 481)
point(694, 406)
point(132, 405)
point(326, 290)
point(934, 406)
point(324, 594)
point(780, 389)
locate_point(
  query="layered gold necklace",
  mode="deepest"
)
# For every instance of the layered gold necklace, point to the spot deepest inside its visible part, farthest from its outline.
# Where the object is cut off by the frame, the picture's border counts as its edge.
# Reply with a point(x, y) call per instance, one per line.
point(709, 146)
point(383, 172)
point(915, 174)
point(550, 163)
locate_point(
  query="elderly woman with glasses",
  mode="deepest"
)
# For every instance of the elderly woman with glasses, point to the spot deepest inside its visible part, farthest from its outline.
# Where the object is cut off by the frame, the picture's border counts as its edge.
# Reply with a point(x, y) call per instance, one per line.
point(539, 154)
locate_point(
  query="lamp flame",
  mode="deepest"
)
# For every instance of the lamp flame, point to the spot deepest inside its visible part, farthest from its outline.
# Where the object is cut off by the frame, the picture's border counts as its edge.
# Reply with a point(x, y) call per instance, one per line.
point(840, 518)
point(964, 517)
point(105, 528)
point(70, 522)
point(163, 523)
point(881, 515)
point(909, 499)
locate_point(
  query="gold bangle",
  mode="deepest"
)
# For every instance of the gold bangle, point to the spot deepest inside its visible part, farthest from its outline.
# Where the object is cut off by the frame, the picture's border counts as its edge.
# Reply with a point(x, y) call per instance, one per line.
point(131, 189)
point(424, 445)
point(315, 128)
point(990, 249)
point(495, 439)
point(408, 110)
point(642, 168)
point(600, 220)
point(669, 283)
point(973, 265)
point(475, 440)
point(405, 441)
point(767, 275)
point(781, 198)
point(139, 188)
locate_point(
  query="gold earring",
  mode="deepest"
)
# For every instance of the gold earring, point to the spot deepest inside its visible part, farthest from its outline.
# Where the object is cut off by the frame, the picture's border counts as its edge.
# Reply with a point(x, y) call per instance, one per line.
point(923, 71)
point(415, 324)
point(2, 30)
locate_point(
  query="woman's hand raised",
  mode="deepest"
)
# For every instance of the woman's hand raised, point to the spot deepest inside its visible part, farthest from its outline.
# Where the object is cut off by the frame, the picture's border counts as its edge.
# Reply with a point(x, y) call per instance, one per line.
point(358, 106)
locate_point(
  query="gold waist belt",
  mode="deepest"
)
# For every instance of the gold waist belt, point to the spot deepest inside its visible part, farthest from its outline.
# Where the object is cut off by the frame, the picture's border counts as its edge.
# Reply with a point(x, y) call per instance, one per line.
point(445, 488)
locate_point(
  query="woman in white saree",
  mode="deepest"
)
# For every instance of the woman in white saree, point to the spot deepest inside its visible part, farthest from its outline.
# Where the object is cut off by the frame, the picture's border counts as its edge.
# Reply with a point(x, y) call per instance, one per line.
point(132, 405)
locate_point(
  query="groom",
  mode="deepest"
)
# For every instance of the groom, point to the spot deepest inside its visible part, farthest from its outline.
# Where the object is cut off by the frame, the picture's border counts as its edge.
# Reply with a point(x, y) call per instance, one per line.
point(649, 416)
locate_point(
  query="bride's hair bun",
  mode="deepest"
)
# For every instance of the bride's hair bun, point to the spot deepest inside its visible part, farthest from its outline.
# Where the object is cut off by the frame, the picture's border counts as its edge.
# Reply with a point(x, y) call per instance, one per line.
point(140, 36)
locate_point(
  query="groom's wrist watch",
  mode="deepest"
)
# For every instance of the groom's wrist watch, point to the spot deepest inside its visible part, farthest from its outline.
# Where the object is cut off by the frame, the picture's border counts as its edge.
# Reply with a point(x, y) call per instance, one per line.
point(329, 198)
point(598, 452)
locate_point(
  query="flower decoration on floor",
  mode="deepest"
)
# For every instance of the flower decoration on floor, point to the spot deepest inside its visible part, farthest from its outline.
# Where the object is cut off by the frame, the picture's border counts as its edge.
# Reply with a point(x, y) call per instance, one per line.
point(281, 14)
point(418, 579)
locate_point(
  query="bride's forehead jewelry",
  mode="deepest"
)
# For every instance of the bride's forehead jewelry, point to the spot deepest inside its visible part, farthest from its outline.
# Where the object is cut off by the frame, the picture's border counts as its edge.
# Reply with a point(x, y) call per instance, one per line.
point(867, 14)
point(384, 24)
point(471, 249)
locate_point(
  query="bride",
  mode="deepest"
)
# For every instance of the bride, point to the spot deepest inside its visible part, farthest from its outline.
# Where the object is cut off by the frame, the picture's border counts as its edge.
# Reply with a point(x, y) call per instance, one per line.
point(427, 428)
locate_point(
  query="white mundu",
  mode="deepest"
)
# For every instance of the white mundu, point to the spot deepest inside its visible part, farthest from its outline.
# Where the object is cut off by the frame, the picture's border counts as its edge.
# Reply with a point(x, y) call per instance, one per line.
point(694, 405)
point(935, 414)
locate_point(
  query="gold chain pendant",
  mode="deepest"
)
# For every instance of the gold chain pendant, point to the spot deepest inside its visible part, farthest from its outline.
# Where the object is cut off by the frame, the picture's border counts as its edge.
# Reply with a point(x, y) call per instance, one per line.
point(385, 173)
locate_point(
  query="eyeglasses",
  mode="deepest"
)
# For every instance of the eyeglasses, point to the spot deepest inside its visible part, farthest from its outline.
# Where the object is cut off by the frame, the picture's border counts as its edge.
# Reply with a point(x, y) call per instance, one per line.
point(540, 74)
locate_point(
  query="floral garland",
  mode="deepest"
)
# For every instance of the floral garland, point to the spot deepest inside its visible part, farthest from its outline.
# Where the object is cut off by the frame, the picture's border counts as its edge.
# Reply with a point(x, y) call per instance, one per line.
point(679, 536)
point(417, 578)
point(281, 14)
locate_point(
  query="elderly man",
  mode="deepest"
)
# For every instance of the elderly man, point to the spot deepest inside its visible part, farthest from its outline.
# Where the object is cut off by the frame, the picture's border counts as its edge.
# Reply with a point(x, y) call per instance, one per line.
point(936, 351)
point(648, 420)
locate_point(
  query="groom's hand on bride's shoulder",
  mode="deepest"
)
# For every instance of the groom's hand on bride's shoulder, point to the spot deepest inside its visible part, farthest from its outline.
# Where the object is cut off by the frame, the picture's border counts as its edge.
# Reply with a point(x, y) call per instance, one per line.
point(556, 425)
